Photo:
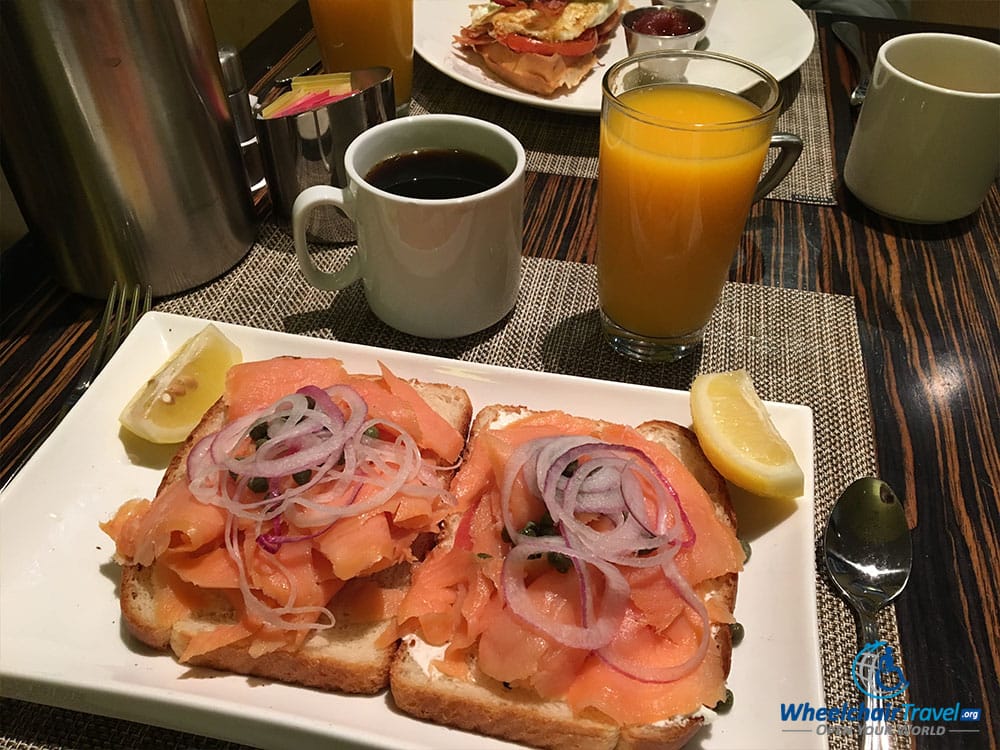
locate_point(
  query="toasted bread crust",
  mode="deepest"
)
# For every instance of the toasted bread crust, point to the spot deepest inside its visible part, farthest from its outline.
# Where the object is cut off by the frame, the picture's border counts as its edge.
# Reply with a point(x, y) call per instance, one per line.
point(539, 74)
point(136, 592)
point(344, 658)
point(211, 421)
point(514, 714)
point(484, 705)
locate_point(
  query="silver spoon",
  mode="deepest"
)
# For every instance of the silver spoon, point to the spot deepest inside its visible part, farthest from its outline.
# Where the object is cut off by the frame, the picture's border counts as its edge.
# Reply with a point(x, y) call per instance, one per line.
point(850, 37)
point(869, 555)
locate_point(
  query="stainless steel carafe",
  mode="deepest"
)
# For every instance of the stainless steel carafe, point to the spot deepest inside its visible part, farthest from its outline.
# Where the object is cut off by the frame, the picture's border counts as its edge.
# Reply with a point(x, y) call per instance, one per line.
point(119, 144)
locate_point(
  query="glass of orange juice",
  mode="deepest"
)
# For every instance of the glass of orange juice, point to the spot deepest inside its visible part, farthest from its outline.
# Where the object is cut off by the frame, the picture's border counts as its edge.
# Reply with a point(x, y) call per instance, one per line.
point(355, 34)
point(684, 136)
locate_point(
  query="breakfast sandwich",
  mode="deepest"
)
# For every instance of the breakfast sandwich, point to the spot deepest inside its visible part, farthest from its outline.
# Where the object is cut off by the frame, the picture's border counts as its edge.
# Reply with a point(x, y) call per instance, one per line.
point(283, 534)
point(583, 597)
point(541, 46)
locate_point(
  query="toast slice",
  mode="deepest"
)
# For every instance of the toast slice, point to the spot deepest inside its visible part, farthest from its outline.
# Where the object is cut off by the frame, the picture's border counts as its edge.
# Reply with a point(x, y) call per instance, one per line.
point(483, 704)
point(353, 656)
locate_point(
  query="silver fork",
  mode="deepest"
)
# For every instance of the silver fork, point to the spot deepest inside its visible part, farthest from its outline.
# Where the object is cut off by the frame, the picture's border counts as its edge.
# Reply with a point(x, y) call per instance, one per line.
point(121, 313)
point(123, 309)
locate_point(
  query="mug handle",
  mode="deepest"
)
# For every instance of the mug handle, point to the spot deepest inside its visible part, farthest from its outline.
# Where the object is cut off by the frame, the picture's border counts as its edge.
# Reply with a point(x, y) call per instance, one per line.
point(307, 200)
point(789, 146)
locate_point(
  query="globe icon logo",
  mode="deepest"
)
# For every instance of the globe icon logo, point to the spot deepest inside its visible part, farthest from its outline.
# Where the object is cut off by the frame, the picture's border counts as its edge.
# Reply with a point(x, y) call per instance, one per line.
point(875, 672)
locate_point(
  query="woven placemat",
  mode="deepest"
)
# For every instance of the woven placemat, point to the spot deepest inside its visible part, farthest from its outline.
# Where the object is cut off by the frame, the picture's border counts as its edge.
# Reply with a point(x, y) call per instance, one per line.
point(800, 347)
point(558, 143)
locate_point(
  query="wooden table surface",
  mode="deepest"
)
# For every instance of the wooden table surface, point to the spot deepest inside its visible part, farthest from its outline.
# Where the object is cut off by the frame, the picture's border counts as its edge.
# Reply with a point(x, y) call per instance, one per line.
point(928, 305)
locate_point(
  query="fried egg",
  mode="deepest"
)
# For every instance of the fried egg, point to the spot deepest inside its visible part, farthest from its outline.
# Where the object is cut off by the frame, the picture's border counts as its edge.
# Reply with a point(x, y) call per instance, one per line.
point(571, 23)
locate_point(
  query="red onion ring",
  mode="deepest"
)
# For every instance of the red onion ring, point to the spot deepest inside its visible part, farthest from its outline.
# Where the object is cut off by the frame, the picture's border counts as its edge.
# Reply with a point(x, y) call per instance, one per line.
point(616, 484)
point(314, 429)
point(597, 628)
point(273, 616)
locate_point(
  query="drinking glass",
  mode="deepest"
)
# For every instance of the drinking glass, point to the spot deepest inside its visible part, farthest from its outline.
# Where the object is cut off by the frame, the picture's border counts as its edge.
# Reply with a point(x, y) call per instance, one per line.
point(684, 135)
point(355, 34)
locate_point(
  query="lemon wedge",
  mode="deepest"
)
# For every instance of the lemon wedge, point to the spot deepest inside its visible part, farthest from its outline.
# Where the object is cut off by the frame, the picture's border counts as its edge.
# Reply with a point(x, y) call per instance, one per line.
point(172, 402)
point(739, 438)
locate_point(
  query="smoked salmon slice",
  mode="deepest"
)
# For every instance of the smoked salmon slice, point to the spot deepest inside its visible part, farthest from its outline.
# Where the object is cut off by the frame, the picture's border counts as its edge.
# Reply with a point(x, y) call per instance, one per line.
point(435, 432)
point(457, 597)
point(251, 386)
point(175, 520)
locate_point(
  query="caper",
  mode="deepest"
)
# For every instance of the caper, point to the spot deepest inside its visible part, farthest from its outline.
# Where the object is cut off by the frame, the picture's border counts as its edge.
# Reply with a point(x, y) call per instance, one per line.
point(544, 526)
point(257, 484)
point(301, 477)
point(372, 432)
point(559, 561)
point(258, 432)
point(746, 549)
point(726, 704)
point(571, 468)
point(736, 633)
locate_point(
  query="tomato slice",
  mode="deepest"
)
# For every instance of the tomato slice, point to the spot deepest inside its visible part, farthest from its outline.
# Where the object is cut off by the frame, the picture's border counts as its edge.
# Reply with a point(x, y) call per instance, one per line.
point(582, 45)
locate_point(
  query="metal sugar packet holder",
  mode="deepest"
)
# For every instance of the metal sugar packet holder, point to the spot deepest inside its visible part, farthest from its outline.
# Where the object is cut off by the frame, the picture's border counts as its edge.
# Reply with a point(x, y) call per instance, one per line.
point(305, 149)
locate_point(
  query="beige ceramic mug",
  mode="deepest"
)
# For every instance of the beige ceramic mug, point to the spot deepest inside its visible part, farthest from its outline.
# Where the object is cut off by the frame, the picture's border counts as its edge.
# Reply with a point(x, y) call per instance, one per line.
point(437, 260)
point(927, 144)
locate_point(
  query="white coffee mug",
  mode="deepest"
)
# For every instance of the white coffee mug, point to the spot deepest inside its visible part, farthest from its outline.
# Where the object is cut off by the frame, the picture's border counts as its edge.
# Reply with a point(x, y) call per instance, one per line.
point(431, 267)
point(926, 148)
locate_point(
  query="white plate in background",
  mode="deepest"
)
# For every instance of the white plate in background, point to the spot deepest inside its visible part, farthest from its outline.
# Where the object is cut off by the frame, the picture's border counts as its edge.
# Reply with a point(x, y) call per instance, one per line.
point(777, 35)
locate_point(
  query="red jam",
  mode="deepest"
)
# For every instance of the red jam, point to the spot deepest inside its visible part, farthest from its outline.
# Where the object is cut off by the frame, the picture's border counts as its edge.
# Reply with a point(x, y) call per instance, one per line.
point(668, 22)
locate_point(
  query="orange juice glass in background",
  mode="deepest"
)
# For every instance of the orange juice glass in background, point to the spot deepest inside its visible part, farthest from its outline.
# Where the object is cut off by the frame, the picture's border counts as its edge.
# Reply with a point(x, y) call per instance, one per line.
point(684, 136)
point(354, 34)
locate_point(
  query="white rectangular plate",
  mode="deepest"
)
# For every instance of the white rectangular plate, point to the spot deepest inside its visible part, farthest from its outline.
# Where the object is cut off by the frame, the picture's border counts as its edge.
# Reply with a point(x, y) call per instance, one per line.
point(62, 643)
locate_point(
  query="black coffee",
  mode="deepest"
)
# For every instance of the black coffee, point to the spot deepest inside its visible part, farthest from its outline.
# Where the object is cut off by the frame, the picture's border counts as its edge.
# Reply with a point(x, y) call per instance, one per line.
point(436, 174)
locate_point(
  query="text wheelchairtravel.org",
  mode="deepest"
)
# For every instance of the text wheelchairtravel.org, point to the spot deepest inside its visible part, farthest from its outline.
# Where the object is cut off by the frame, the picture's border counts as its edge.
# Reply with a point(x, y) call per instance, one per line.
point(906, 712)
point(848, 720)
